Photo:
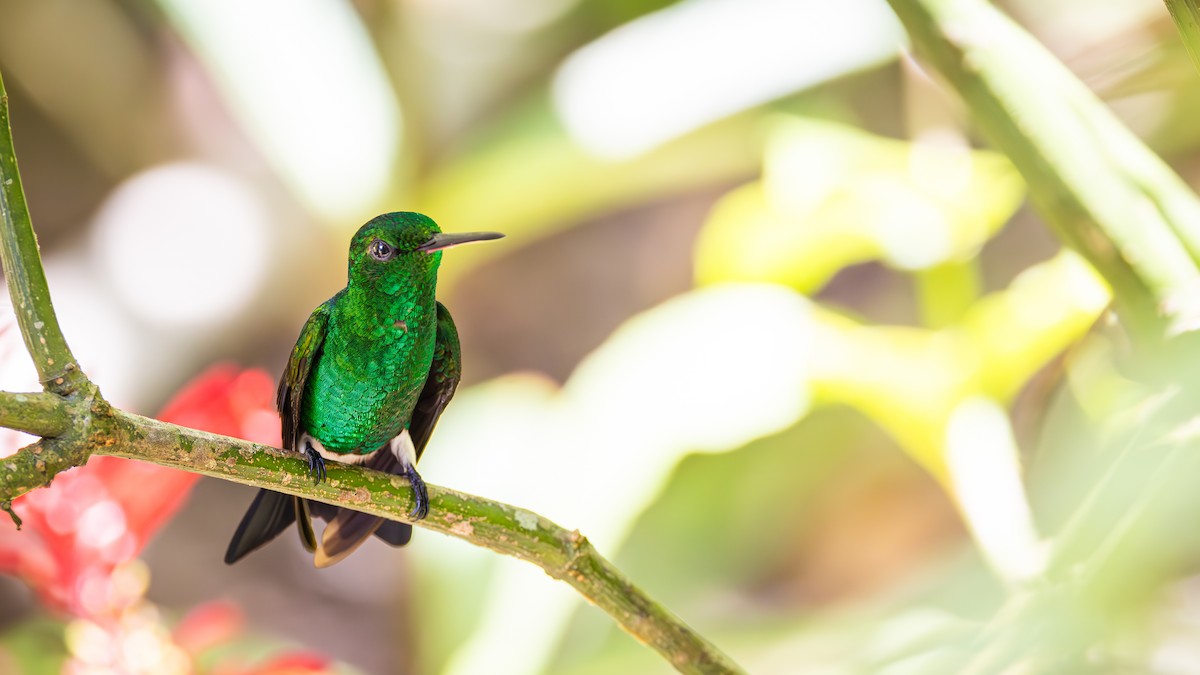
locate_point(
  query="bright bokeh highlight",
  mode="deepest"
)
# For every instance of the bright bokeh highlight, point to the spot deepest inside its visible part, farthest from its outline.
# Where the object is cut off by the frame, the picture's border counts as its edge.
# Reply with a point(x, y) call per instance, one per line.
point(673, 71)
point(302, 78)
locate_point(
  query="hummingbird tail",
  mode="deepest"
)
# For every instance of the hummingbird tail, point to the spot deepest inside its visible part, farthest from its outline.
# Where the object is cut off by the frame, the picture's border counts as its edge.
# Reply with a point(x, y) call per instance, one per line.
point(347, 529)
point(344, 533)
point(352, 528)
point(394, 533)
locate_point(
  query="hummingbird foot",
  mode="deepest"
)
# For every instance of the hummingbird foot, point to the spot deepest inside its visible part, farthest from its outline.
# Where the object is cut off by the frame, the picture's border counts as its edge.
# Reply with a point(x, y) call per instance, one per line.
point(316, 464)
point(420, 494)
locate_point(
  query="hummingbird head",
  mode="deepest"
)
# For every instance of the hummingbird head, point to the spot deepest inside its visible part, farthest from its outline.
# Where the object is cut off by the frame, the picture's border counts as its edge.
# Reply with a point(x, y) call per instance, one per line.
point(402, 247)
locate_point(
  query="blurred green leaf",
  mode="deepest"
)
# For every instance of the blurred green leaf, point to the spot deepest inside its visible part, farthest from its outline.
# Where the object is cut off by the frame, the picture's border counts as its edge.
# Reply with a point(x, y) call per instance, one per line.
point(939, 392)
point(1186, 14)
point(603, 15)
point(686, 541)
point(33, 646)
point(1103, 191)
point(833, 196)
point(1046, 309)
point(910, 380)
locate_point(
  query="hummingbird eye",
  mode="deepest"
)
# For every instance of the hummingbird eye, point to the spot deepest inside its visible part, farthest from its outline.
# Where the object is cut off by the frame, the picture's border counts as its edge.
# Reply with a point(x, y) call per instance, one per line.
point(381, 250)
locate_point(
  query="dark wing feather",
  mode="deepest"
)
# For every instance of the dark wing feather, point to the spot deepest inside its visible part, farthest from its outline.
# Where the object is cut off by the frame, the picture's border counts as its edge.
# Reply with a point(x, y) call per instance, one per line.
point(444, 374)
point(271, 512)
point(291, 395)
point(295, 375)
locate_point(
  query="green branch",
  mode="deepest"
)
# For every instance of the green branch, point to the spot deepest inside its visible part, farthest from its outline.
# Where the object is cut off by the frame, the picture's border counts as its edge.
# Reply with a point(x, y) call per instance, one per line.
point(564, 555)
point(75, 422)
point(1090, 178)
point(22, 261)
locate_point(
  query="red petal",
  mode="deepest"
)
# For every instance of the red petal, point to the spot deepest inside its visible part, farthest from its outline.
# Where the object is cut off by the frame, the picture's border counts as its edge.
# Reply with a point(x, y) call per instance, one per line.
point(209, 625)
point(148, 494)
point(295, 662)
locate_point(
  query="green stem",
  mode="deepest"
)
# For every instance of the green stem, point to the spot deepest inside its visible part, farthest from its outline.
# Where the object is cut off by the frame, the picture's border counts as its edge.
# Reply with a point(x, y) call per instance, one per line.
point(1093, 181)
point(22, 261)
point(1186, 14)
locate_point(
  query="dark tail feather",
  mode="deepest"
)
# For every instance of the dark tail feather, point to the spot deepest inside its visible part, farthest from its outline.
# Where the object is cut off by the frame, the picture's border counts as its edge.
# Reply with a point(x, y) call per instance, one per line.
point(394, 533)
point(346, 532)
point(269, 514)
point(304, 524)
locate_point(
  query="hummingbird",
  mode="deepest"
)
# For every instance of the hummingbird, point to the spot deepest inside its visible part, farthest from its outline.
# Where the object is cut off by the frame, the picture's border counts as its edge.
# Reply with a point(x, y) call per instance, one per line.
point(371, 373)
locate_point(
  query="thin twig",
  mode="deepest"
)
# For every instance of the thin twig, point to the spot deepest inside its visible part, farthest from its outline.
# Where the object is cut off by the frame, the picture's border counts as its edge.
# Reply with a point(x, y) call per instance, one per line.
point(22, 261)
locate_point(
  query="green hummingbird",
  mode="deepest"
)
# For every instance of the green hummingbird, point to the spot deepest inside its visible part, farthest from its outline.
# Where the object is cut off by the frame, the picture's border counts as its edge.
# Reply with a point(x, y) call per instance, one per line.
point(370, 374)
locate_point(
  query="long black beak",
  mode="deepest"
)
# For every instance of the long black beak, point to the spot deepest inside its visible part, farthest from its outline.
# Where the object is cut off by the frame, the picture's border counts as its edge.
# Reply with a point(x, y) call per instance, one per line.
point(443, 240)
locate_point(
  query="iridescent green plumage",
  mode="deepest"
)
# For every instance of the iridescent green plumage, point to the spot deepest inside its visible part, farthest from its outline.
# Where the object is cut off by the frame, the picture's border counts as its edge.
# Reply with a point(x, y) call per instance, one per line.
point(370, 374)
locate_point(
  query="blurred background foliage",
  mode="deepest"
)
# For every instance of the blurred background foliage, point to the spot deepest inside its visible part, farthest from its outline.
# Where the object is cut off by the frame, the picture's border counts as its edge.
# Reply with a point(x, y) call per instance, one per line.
point(771, 325)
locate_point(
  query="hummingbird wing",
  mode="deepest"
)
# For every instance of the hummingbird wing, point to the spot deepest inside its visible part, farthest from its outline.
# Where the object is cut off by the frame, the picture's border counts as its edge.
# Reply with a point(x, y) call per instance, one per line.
point(271, 512)
point(299, 365)
point(347, 529)
point(444, 374)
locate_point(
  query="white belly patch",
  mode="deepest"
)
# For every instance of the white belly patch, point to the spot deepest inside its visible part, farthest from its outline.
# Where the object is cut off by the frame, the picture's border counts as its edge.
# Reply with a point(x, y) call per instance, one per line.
point(400, 446)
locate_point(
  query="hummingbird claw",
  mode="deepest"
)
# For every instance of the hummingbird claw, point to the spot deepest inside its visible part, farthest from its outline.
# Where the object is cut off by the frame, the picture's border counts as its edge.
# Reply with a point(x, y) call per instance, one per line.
point(316, 464)
point(420, 494)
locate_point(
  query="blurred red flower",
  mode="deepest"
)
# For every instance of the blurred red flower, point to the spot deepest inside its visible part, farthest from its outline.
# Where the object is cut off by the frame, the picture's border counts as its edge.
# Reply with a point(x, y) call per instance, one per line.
point(215, 624)
point(290, 663)
point(94, 518)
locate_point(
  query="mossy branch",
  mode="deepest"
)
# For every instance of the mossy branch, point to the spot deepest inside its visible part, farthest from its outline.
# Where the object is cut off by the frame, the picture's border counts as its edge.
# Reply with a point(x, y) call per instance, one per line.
point(564, 555)
point(1104, 192)
point(76, 422)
